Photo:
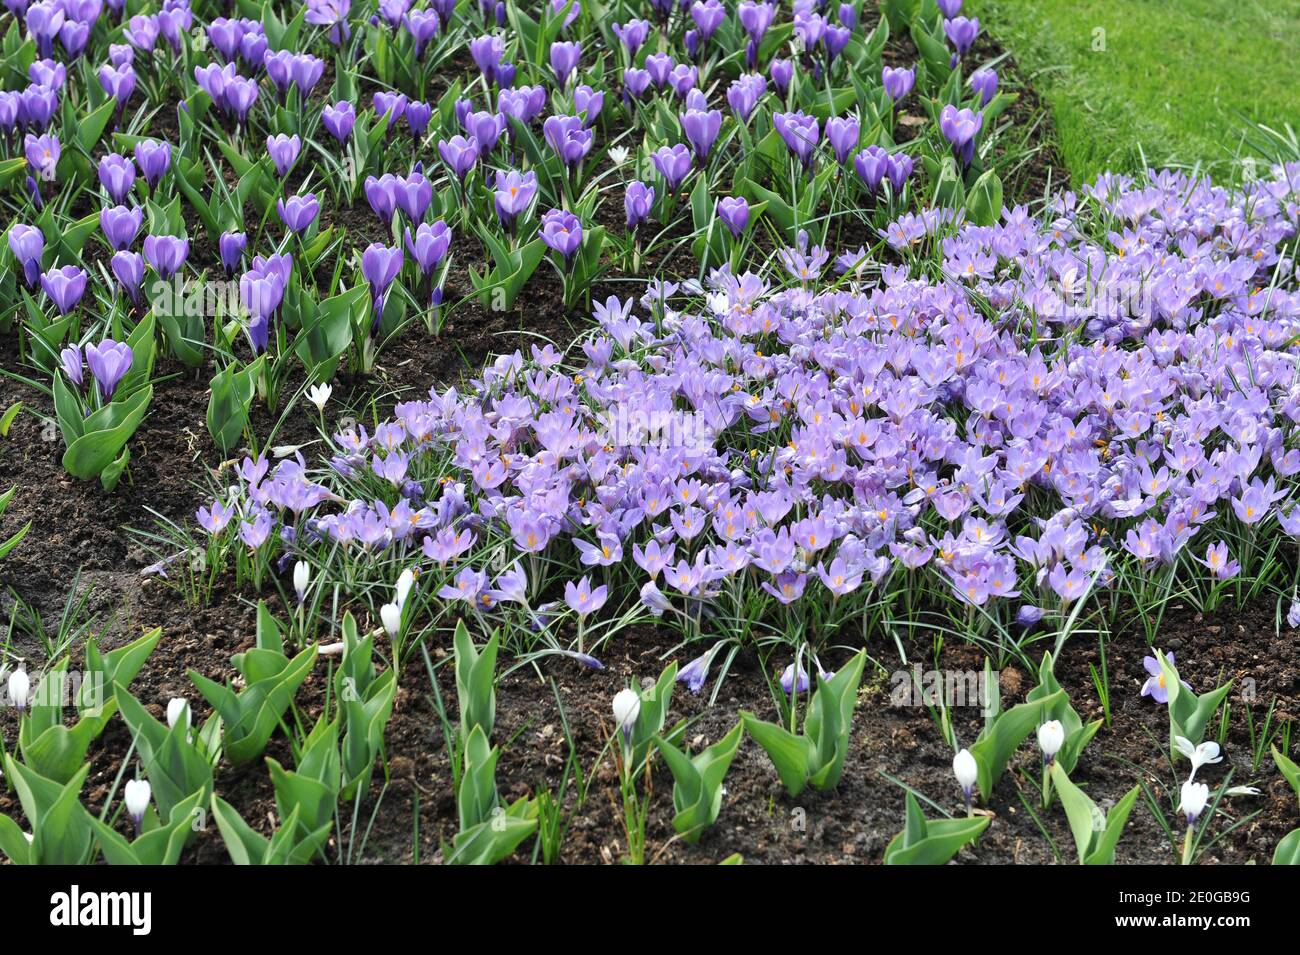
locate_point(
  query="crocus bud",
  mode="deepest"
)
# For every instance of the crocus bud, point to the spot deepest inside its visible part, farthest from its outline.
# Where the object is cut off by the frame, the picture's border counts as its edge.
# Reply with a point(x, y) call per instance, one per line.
point(301, 578)
point(137, 800)
point(627, 707)
point(1051, 736)
point(404, 584)
point(178, 710)
point(1194, 798)
point(391, 616)
point(19, 689)
point(964, 768)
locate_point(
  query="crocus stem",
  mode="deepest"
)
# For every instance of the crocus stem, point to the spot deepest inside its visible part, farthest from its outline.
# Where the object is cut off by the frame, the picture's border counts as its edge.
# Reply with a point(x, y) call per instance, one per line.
point(1187, 847)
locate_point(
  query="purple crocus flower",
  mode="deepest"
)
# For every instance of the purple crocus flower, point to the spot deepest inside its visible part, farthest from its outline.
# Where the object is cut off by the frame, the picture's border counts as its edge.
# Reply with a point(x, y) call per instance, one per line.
point(241, 93)
point(561, 231)
point(514, 193)
point(782, 74)
point(632, 35)
point(564, 60)
point(332, 14)
point(283, 151)
point(48, 73)
point(487, 52)
point(166, 253)
point(484, 127)
point(582, 598)
point(960, 127)
point(734, 212)
point(588, 103)
point(231, 245)
point(417, 118)
point(42, 154)
point(794, 678)
point(380, 265)
point(429, 245)
point(64, 286)
point(27, 243)
point(843, 133)
point(381, 193)
point(109, 362)
point(638, 200)
point(339, 119)
point(949, 8)
point(701, 128)
point(74, 366)
point(871, 165)
point(414, 195)
point(899, 170)
point(460, 155)
point(800, 132)
point(120, 225)
point(673, 163)
point(154, 158)
point(116, 175)
point(568, 138)
point(961, 33)
point(298, 212)
point(423, 25)
point(985, 83)
point(128, 269)
point(36, 106)
point(898, 82)
point(118, 83)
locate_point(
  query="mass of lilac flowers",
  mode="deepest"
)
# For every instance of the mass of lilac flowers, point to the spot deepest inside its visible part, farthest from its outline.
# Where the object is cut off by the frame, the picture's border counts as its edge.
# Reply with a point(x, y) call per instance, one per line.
point(1114, 382)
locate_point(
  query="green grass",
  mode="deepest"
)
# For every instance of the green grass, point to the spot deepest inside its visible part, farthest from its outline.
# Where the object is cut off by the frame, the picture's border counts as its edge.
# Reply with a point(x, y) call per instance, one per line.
point(1154, 82)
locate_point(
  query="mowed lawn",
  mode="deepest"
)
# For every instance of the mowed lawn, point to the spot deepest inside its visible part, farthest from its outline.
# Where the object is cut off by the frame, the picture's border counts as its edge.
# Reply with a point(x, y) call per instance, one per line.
point(1162, 81)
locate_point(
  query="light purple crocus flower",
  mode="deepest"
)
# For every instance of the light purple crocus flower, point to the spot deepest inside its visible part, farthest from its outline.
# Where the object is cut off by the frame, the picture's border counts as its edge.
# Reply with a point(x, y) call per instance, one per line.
point(561, 231)
point(109, 362)
point(65, 286)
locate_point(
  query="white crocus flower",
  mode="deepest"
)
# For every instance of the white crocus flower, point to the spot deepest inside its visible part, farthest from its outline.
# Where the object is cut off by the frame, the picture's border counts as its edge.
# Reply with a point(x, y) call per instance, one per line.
point(404, 584)
point(964, 768)
point(1204, 754)
point(391, 615)
point(319, 395)
point(1194, 798)
point(136, 798)
point(627, 707)
point(20, 687)
point(178, 710)
point(1051, 737)
point(301, 578)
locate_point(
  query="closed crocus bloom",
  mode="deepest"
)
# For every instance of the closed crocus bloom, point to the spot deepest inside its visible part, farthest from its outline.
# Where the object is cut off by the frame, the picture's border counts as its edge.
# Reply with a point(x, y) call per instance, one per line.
point(638, 200)
point(588, 103)
point(898, 81)
point(985, 83)
point(166, 253)
point(241, 93)
point(128, 269)
point(960, 127)
point(154, 159)
point(339, 119)
point(381, 193)
point(961, 33)
point(302, 573)
point(20, 686)
point(417, 118)
point(283, 151)
point(1194, 797)
point(27, 243)
point(966, 771)
point(428, 246)
point(391, 617)
point(109, 362)
point(800, 132)
point(178, 711)
point(118, 82)
point(64, 286)
point(116, 175)
point(843, 133)
point(380, 264)
point(674, 164)
point(136, 797)
point(392, 105)
point(701, 128)
point(279, 66)
point(298, 212)
point(871, 165)
point(627, 707)
point(48, 73)
point(1051, 737)
point(782, 73)
point(405, 581)
point(414, 194)
point(568, 138)
point(120, 225)
point(231, 246)
point(306, 71)
point(734, 212)
point(949, 8)
point(564, 59)
point(73, 364)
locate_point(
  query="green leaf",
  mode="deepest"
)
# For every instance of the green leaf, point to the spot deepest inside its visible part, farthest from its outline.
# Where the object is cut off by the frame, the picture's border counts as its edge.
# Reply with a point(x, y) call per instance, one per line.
point(1001, 739)
point(790, 754)
point(924, 842)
